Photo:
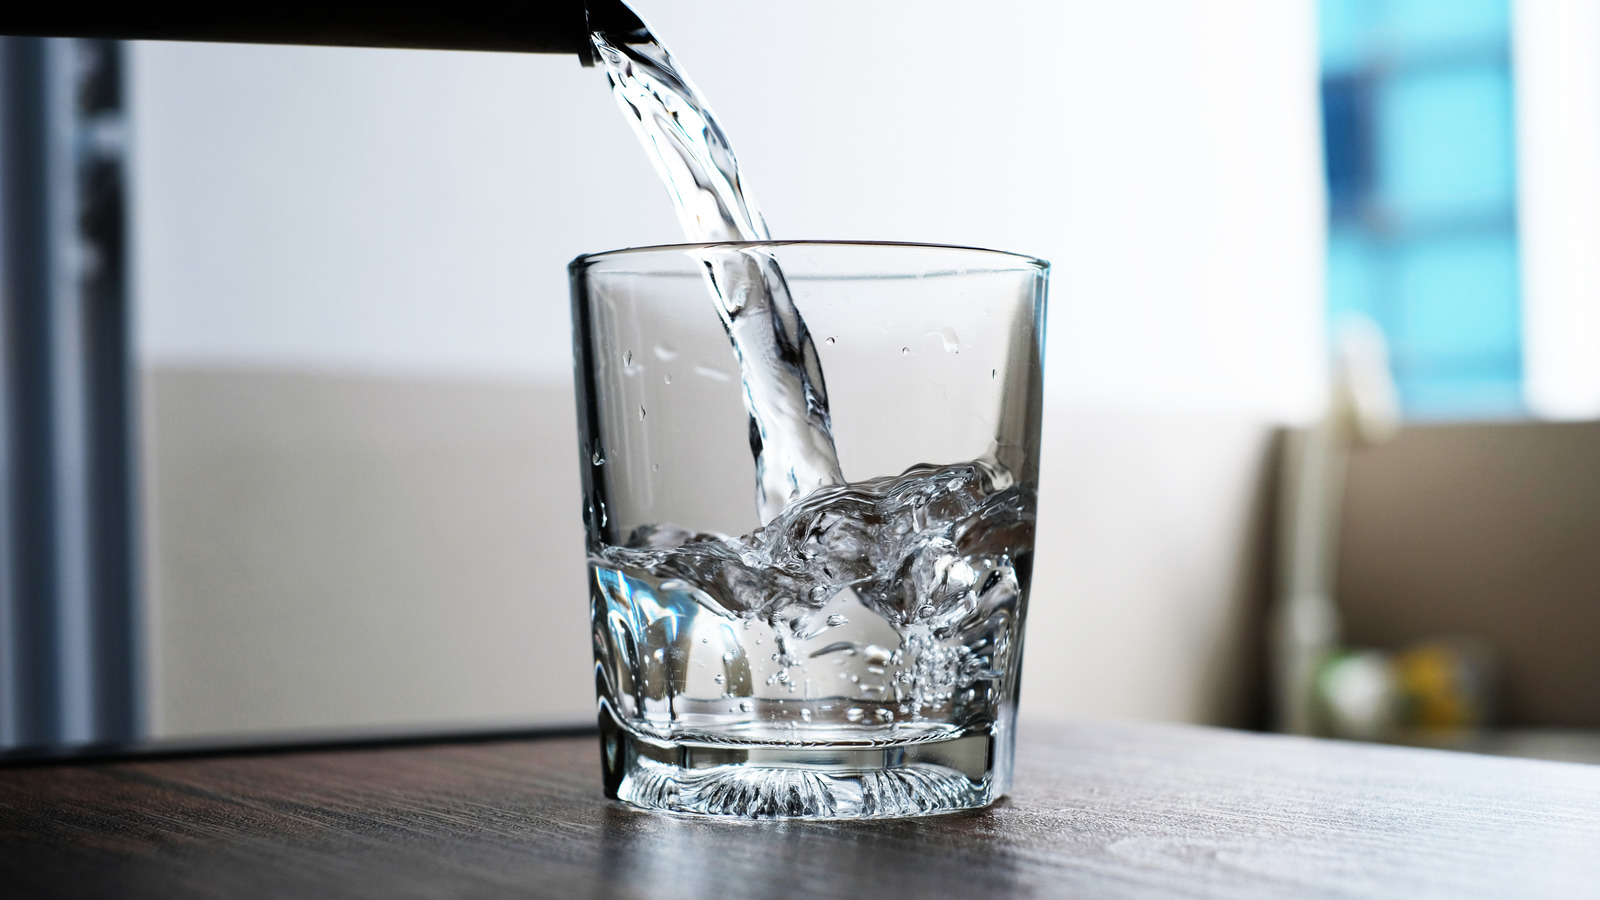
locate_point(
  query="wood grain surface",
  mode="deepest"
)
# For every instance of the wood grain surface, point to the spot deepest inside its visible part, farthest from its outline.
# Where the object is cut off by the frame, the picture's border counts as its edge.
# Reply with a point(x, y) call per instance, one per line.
point(1100, 810)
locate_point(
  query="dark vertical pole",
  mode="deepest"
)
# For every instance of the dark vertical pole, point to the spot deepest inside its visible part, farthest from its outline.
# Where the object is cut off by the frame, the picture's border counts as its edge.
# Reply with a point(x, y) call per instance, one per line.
point(31, 624)
point(68, 635)
point(109, 381)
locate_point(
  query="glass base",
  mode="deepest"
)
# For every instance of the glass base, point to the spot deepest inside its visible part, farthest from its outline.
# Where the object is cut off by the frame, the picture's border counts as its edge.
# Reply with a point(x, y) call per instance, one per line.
point(799, 781)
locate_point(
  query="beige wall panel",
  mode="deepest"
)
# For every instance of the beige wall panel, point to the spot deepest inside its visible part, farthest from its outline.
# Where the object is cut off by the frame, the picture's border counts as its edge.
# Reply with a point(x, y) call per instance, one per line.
point(331, 552)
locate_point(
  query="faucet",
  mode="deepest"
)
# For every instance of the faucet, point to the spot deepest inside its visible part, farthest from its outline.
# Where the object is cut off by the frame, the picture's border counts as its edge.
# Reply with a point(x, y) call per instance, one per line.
point(526, 27)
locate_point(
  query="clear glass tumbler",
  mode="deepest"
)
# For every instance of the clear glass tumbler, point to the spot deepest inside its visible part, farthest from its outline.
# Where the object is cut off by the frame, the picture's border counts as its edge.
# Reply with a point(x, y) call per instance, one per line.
point(856, 655)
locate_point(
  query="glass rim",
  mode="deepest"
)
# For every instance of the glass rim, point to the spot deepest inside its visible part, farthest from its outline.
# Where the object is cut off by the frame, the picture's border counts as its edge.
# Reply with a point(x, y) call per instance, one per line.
point(587, 259)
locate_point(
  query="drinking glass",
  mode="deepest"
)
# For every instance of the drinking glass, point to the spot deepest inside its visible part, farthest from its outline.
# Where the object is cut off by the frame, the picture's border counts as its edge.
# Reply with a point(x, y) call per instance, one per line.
point(858, 655)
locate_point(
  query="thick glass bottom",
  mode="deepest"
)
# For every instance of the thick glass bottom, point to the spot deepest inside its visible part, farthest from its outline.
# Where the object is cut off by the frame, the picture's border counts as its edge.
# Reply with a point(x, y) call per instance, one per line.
point(767, 781)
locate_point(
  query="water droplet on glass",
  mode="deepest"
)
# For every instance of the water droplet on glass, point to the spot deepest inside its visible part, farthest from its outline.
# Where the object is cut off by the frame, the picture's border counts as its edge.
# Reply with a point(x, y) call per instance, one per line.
point(666, 353)
point(627, 358)
point(744, 707)
point(905, 351)
point(805, 714)
point(655, 467)
point(718, 679)
point(837, 619)
point(667, 378)
point(993, 372)
point(830, 342)
point(641, 414)
point(598, 457)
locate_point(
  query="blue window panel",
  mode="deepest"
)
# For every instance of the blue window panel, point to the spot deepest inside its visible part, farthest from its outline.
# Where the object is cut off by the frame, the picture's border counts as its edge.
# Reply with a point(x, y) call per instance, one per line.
point(1456, 397)
point(1344, 32)
point(1456, 301)
point(1425, 26)
point(1352, 276)
point(1347, 142)
point(1445, 143)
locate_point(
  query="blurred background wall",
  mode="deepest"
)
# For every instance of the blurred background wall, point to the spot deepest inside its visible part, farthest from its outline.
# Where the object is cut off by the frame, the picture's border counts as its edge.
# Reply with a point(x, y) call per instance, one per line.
point(357, 443)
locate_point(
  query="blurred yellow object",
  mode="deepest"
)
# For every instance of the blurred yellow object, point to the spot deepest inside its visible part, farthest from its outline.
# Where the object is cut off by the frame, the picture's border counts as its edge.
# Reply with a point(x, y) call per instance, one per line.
point(1444, 685)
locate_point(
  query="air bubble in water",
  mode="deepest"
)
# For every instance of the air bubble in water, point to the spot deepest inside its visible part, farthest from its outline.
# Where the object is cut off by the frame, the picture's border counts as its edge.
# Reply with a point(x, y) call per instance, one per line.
point(854, 713)
point(884, 715)
point(718, 679)
point(667, 378)
point(805, 714)
point(627, 358)
point(641, 414)
point(905, 351)
point(744, 706)
point(837, 619)
point(993, 372)
point(598, 457)
point(655, 467)
point(830, 342)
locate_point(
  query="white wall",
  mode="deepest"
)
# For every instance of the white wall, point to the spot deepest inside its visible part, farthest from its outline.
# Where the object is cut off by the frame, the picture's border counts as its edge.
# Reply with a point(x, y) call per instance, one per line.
point(1556, 57)
point(409, 214)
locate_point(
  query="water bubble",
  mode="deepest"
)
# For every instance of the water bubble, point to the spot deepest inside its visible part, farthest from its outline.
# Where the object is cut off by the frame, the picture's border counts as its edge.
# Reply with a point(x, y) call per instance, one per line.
point(884, 715)
point(667, 378)
point(875, 655)
point(718, 679)
point(598, 457)
point(905, 351)
point(993, 372)
point(830, 342)
point(666, 353)
point(627, 358)
point(655, 467)
point(805, 714)
point(744, 707)
point(837, 619)
point(641, 414)
point(854, 713)
point(925, 610)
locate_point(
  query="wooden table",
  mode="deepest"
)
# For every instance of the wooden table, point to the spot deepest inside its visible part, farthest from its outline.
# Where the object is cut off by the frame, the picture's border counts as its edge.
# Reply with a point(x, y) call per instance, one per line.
point(1101, 810)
